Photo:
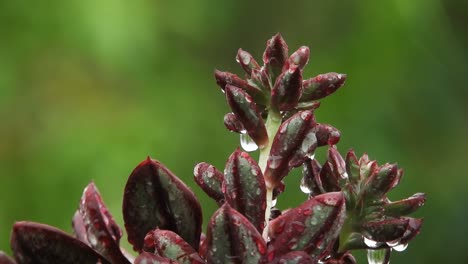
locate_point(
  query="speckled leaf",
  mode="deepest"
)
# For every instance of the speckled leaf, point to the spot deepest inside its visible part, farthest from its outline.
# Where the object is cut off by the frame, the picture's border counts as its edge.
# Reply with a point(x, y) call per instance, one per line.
point(155, 197)
point(352, 167)
point(311, 177)
point(4, 259)
point(244, 187)
point(232, 123)
point(312, 105)
point(367, 167)
point(322, 85)
point(102, 231)
point(326, 134)
point(246, 111)
point(275, 55)
point(328, 179)
point(299, 58)
point(34, 243)
point(295, 257)
point(148, 258)
point(385, 230)
point(287, 89)
point(337, 163)
point(288, 140)
point(379, 183)
point(405, 206)
point(226, 78)
point(247, 61)
point(312, 227)
point(378, 256)
point(210, 180)
point(413, 229)
point(168, 244)
point(79, 229)
point(231, 238)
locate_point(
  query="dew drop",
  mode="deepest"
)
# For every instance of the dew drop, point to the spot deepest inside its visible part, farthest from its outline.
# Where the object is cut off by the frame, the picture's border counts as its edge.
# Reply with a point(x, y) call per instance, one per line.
point(370, 243)
point(400, 247)
point(247, 143)
point(311, 155)
point(273, 202)
point(304, 188)
point(393, 243)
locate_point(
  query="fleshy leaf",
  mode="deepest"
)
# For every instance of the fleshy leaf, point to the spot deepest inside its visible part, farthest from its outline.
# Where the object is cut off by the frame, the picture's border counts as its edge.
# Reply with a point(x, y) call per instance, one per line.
point(231, 238)
point(326, 135)
point(247, 113)
point(287, 90)
point(352, 167)
point(226, 78)
point(148, 258)
point(210, 180)
point(405, 206)
point(101, 230)
point(244, 187)
point(4, 259)
point(296, 257)
point(413, 229)
point(168, 244)
point(34, 243)
point(247, 61)
point(155, 197)
point(79, 228)
point(385, 230)
point(312, 227)
point(232, 123)
point(379, 183)
point(311, 182)
point(275, 55)
point(337, 163)
point(287, 142)
point(322, 85)
point(299, 58)
point(378, 256)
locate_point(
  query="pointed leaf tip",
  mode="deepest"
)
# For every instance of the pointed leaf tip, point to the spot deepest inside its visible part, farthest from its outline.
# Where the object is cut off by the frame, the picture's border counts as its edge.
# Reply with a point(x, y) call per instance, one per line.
point(247, 62)
point(155, 197)
point(287, 90)
point(210, 180)
point(275, 55)
point(322, 85)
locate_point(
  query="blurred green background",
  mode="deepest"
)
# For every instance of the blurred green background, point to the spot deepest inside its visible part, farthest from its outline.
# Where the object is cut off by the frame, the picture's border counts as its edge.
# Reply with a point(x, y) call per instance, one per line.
point(89, 88)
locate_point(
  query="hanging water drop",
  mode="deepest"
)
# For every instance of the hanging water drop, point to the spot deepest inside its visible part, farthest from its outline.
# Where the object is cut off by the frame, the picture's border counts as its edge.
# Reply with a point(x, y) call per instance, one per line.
point(400, 247)
point(393, 243)
point(370, 243)
point(247, 143)
point(304, 188)
point(273, 202)
point(311, 155)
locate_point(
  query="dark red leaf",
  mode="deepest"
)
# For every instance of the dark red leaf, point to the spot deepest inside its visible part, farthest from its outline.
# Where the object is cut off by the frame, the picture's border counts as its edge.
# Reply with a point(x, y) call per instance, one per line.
point(379, 183)
point(322, 85)
point(352, 167)
point(275, 55)
point(4, 259)
point(247, 61)
point(326, 135)
point(168, 244)
point(413, 229)
point(34, 243)
point(312, 105)
point(226, 78)
point(337, 163)
point(247, 113)
point(79, 228)
point(405, 206)
point(312, 227)
point(102, 231)
point(287, 89)
point(244, 187)
point(210, 180)
point(328, 179)
point(155, 197)
point(311, 182)
point(232, 123)
point(385, 230)
point(296, 257)
point(231, 238)
point(299, 58)
point(148, 258)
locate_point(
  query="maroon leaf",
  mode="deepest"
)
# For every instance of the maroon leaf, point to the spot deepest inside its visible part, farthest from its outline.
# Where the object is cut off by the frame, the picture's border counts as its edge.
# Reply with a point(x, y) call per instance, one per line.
point(311, 227)
point(226, 78)
point(413, 229)
point(326, 135)
point(322, 85)
point(379, 183)
point(261, 79)
point(79, 228)
point(244, 187)
point(246, 111)
point(352, 167)
point(312, 105)
point(296, 257)
point(232, 123)
point(232, 238)
point(148, 258)
point(275, 55)
point(287, 90)
point(299, 58)
point(210, 180)
point(329, 180)
point(311, 182)
point(291, 140)
point(247, 61)
point(4, 259)
point(385, 230)
point(168, 244)
point(38, 243)
point(155, 197)
point(337, 163)
point(405, 206)
point(102, 232)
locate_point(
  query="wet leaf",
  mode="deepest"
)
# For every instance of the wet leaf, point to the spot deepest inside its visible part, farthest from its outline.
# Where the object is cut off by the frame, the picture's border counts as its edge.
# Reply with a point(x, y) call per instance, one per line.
point(322, 85)
point(210, 180)
point(102, 231)
point(352, 167)
point(275, 55)
point(231, 238)
point(155, 197)
point(298, 59)
point(413, 229)
point(247, 61)
point(312, 227)
point(36, 243)
point(287, 89)
point(247, 113)
point(385, 230)
point(226, 78)
point(148, 258)
point(405, 206)
point(244, 187)
point(296, 257)
point(326, 135)
point(4, 259)
point(232, 123)
point(292, 138)
point(311, 177)
point(168, 244)
point(79, 228)
point(379, 183)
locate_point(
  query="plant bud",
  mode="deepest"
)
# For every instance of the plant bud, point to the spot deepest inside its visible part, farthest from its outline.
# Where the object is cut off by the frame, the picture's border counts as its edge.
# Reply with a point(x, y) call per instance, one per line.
point(227, 78)
point(275, 55)
point(379, 183)
point(299, 58)
point(210, 180)
point(326, 135)
point(287, 90)
point(322, 85)
point(247, 61)
point(232, 123)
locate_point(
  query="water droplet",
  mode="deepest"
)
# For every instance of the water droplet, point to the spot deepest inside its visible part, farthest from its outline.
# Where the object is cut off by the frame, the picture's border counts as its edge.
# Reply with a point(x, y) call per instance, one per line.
point(393, 243)
point(304, 188)
point(274, 161)
point(283, 128)
point(273, 202)
point(310, 155)
point(247, 143)
point(400, 247)
point(370, 243)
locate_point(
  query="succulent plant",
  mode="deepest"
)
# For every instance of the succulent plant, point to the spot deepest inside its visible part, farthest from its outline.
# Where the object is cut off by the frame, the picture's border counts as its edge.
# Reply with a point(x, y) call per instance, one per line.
point(273, 111)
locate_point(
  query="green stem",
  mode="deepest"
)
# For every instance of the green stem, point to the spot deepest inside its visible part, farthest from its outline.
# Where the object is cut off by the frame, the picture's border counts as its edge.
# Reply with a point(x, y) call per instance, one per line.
point(346, 232)
point(272, 124)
